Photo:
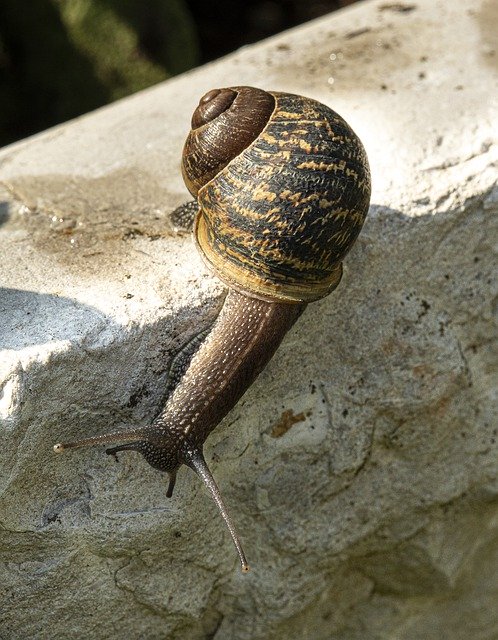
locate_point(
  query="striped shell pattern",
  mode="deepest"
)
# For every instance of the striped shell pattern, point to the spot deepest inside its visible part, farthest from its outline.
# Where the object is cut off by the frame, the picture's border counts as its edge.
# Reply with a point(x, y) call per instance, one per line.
point(277, 220)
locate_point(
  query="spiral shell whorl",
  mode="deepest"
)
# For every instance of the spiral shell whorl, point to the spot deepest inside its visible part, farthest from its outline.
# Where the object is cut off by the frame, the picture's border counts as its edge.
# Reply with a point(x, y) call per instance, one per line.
point(277, 220)
point(223, 125)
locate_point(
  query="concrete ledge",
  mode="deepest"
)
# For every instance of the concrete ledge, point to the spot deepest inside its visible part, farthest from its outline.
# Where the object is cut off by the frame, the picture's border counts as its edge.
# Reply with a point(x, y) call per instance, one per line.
point(374, 516)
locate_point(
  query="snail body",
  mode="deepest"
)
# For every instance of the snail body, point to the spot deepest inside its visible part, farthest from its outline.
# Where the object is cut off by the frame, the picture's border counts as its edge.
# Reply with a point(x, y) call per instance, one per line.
point(283, 188)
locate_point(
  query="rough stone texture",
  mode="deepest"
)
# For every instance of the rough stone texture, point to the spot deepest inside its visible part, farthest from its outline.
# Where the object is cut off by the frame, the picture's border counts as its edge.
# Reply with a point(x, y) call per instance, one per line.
point(375, 515)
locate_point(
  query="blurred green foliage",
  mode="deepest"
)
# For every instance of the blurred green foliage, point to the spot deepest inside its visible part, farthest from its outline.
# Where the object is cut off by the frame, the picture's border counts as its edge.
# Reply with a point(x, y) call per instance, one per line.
point(62, 58)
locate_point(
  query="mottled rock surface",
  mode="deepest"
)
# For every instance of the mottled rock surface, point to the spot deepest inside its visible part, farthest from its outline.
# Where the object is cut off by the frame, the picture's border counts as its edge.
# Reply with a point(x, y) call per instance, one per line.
point(361, 467)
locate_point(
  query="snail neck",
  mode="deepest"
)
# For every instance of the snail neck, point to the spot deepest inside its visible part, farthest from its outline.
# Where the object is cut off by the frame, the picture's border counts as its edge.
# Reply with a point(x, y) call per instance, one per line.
point(242, 340)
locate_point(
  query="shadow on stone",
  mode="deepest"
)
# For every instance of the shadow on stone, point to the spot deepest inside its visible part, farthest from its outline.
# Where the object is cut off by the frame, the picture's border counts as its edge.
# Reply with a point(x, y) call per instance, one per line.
point(4, 212)
point(28, 318)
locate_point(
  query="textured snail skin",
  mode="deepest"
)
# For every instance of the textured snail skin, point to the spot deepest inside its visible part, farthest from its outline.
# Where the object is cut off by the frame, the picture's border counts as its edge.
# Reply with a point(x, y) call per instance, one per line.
point(242, 340)
point(283, 188)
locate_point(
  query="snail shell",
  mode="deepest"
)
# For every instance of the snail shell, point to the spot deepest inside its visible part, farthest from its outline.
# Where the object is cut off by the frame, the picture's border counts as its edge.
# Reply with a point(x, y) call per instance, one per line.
point(279, 208)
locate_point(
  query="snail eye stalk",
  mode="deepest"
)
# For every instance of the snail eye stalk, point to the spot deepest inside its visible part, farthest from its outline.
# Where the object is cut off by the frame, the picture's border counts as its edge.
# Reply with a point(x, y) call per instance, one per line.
point(195, 460)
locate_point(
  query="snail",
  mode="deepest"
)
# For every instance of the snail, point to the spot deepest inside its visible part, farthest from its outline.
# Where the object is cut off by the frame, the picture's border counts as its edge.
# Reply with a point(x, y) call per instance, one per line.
point(282, 185)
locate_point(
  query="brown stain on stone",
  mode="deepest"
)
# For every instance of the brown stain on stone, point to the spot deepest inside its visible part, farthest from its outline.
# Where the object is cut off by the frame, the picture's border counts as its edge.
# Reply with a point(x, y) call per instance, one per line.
point(90, 225)
point(397, 7)
point(423, 371)
point(487, 19)
point(287, 420)
point(442, 406)
point(368, 57)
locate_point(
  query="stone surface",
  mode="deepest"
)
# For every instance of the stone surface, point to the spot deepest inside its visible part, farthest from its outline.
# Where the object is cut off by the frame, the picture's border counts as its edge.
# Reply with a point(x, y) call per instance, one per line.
point(375, 515)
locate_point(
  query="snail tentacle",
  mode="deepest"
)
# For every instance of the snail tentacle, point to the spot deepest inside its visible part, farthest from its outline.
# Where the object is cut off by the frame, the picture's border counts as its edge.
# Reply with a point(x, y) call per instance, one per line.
point(195, 460)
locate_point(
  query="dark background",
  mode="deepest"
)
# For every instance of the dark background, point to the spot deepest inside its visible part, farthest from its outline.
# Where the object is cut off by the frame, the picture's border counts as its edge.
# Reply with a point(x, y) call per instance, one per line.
point(62, 58)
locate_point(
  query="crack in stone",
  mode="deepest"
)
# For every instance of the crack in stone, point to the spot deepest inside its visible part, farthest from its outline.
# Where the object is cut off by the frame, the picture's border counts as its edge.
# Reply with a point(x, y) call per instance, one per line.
point(453, 162)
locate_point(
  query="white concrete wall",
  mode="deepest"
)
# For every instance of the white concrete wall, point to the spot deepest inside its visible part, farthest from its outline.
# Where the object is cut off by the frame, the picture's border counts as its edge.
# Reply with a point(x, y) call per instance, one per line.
point(374, 518)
